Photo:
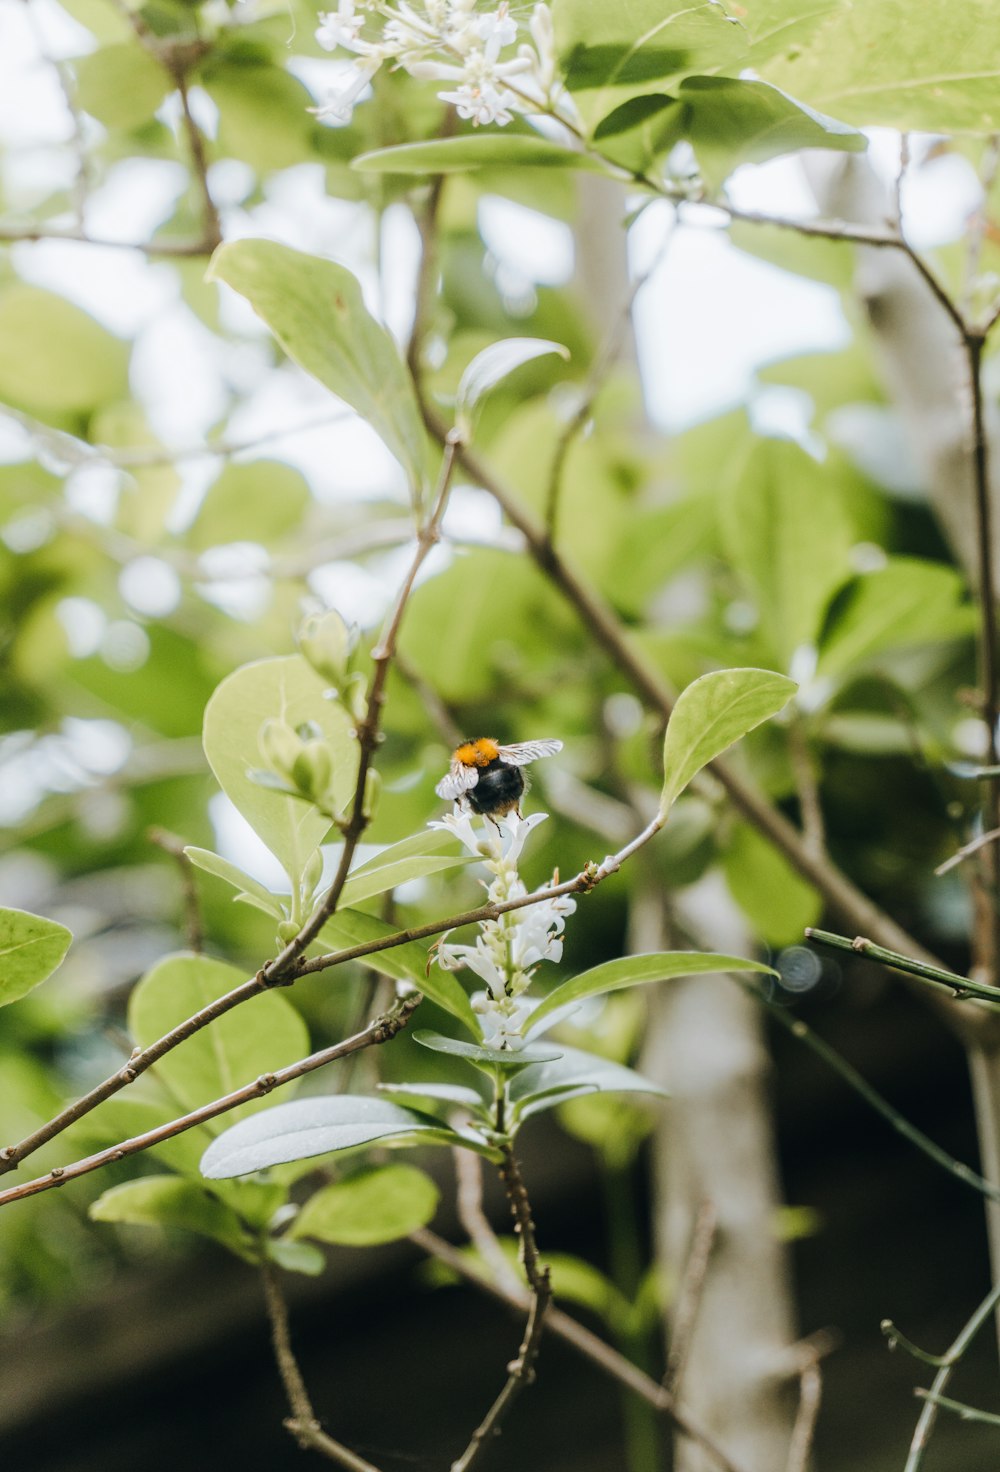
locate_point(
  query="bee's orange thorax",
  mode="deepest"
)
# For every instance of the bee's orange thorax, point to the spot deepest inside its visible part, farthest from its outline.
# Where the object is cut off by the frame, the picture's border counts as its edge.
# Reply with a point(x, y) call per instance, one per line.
point(478, 753)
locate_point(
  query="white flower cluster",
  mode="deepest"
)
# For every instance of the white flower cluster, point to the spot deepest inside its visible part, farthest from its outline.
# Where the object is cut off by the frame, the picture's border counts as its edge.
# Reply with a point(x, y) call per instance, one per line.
point(506, 950)
point(448, 41)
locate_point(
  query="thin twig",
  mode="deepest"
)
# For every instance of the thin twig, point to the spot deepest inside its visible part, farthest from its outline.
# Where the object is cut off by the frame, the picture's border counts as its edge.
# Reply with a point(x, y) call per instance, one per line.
point(194, 930)
point(806, 786)
point(211, 224)
point(967, 849)
point(594, 1349)
point(964, 1412)
point(810, 1352)
point(381, 1030)
point(689, 1294)
point(928, 1416)
point(897, 193)
point(302, 1423)
point(896, 1339)
point(521, 1370)
point(874, 1099)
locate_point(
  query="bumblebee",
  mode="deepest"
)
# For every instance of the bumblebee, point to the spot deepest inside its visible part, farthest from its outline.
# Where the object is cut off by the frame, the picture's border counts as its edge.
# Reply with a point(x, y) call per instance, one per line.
point(487, 777)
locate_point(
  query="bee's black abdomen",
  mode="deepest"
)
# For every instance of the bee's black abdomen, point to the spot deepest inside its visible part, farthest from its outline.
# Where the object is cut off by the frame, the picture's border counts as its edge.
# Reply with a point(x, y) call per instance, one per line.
point(499, 789)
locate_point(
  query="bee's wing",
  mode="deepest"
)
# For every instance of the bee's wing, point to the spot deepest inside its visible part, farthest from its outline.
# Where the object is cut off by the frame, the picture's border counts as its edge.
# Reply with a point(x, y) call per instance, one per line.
point(460, 779)
point(528, 751)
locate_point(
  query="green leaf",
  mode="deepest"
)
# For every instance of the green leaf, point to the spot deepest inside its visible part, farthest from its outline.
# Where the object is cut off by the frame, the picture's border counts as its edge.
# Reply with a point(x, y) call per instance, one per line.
point(122, 85)
point(612, 976)
point(171, 1201)
point(408, 962)
point(544, 1085)
point(31, 948)
point(316, 311)
point(263, 1034)
point(777, 27)
point(484, 1057)
point(473, 151)
point(730, 121)
point(613, 52)
point(494, 363)
point(906, 602)
point(376, 1205)
point(263, 114)
point(259, 501)
point(249, 889)
point(444, 1093)
point(65, 361)
point(936, 68)
point(784, 527)
point(286, 689)
point(411, 858)
point(767, 889)
point(712, 713)
point(295, 1257)
point(323, 1125)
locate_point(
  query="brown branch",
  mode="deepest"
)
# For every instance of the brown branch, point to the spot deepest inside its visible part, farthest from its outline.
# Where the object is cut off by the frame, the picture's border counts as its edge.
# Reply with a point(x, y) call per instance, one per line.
point(689, 1293)
point(521, 1370)
point(810, 1352)
point(381, 1030)
point(177, 249)
point(143, 1058)
point(594, 1349)
point(302, 1423)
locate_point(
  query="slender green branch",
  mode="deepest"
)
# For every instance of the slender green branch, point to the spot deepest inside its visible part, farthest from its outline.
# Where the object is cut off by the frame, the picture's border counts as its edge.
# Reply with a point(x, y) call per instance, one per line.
point(874, 1099)
point(896, 1339)
point(959, 986)
point(964, 1412)
point(928, 1416)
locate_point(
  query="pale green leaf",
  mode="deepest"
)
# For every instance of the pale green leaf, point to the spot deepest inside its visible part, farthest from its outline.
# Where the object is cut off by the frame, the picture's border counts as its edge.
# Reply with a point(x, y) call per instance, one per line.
point(31, 948)
point(295, 1257)
point(934, 67)
point(544, 1085)
point(712, 713)
point(286, 689)
point(65, 362)
point(612, 976)
point(473, 151)
point(487, 1058)
point(121, 85)
point(784, 527)
point(376, 1205)
point(249, 888)
point(778, 902)
point(259, 501)
point(263, 1034)
point(408, 962)
point(323, 1125)
point(494, 363)
point(315, 309)
point(411, 858)
point(172, 1201)
point(906, 602)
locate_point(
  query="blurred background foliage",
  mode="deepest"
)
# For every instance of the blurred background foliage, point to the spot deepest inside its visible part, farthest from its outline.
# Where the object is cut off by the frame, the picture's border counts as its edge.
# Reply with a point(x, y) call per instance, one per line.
point(155, 533)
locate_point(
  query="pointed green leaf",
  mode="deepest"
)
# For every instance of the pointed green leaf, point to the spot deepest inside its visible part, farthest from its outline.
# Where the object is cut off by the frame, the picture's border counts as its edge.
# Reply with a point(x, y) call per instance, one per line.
point(473, 151)
point(443, 1093)
point(612, 976)
point(487, 1058)
point(494, 363)
point(31, 948)
point(375, 1205)
point(712, 713)
point(322, 1125)
point(411, 858)
point(249, 889)
point(295, 1257)
point(316, 311)
point(409, 962)
point(171, 1201)
point(286, 689)
point(258, 1037)
point(544, 1085)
